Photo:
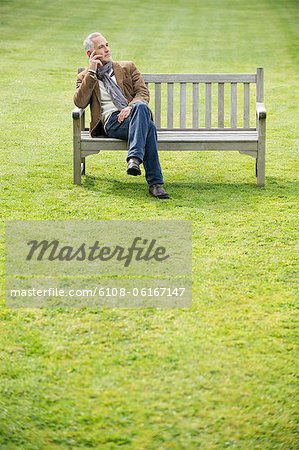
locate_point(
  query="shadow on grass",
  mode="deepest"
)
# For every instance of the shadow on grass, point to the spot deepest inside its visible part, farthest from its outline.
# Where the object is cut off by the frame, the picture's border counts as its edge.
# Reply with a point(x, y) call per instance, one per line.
point(234, 193)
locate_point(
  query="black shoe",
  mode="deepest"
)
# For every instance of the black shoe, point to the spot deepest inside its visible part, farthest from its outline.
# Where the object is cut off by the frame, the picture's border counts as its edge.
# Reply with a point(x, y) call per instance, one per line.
point(133, 167)
point(157, 190)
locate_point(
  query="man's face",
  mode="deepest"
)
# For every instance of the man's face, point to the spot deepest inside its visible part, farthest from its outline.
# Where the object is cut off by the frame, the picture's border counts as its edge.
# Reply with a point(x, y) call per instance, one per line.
point(101, 48)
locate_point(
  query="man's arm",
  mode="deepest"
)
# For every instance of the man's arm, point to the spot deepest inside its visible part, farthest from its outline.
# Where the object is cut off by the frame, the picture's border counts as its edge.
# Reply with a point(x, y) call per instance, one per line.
point(86, 81)
point(141, 92)
point(84, 87)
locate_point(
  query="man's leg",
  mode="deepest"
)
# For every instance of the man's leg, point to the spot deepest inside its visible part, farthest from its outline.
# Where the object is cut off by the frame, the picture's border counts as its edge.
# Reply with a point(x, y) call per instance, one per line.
point(153, 172)
point(117, 130)
point(142, 140)
point(120, 130)
point(140, 132)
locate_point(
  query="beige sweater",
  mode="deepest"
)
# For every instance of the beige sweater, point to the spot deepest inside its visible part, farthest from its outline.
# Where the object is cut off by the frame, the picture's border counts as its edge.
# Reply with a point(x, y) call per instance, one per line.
point(107, 105)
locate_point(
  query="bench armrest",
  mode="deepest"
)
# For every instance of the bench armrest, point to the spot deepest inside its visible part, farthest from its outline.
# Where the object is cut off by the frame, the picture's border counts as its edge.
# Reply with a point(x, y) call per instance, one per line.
point(77, 113)
point(261, 111)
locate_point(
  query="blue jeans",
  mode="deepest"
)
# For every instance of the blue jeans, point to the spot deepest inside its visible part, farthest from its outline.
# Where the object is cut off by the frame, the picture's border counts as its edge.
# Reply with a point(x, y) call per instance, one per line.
point(140, 132)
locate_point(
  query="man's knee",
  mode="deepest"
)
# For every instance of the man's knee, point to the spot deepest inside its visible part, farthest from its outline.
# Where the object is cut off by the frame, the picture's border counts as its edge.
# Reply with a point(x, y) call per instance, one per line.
point(141, 106)
point(152, 127)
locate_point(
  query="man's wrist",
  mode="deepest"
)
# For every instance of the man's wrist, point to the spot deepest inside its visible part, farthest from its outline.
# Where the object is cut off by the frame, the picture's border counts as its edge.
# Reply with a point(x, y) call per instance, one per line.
point(93, 66)
point(92, 73)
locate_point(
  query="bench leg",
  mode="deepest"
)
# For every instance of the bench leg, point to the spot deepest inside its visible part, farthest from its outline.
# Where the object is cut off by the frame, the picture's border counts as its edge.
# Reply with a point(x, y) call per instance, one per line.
point(76, 152)
point(77, 166)
point(261, 150)
point(260, 168)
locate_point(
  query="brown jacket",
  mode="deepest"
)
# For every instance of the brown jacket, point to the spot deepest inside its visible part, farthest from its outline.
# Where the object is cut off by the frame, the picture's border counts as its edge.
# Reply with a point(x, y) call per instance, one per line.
point(128, 78)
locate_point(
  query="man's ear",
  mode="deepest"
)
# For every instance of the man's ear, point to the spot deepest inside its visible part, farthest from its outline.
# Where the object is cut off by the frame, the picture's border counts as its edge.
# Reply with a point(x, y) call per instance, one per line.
point(88, 53)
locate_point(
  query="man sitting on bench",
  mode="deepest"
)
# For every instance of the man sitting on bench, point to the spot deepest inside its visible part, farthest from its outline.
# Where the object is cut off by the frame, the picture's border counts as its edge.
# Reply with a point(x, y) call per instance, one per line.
point(118, 99)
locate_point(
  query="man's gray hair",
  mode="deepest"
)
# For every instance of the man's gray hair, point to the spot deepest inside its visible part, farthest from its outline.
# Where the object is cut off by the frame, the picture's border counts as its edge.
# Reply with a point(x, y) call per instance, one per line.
point(88, 44)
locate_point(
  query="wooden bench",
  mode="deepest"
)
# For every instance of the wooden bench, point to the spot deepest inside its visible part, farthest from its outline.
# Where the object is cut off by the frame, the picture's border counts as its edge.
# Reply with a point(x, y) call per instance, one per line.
point(194, 112)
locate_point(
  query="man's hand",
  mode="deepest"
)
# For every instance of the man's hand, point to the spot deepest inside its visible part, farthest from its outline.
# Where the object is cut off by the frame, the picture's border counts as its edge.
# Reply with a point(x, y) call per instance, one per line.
point(94, 61)
point(124, 113)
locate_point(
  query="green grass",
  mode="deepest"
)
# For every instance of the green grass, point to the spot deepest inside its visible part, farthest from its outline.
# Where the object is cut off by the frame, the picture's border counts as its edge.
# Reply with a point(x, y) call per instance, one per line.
point(221, 374)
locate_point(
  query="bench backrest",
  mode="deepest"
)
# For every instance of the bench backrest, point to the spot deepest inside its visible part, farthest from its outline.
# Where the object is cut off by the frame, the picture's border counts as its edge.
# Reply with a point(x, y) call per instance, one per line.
point(204, 101)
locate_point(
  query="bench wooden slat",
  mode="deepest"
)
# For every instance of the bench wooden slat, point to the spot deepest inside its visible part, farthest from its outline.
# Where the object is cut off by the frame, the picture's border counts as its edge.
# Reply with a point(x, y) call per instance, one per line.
point(207, 135)
point(181, 140)
point(199, 78)
point(183, 103)
point(185, 136)
point(195, 105)
point(221, 105)
point(246, 108)
point(233, 107)
point(85, 134)
point(260, 85)
point(169, 105)
point(158, 104)
point(208, 105)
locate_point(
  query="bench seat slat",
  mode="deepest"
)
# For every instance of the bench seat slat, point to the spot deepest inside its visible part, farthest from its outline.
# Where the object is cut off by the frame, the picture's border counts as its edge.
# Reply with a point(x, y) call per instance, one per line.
point(186, 136)
point(180, 140)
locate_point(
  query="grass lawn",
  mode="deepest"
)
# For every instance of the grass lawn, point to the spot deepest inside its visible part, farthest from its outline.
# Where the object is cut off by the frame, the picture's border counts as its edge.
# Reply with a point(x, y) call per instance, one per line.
point(221, 374)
